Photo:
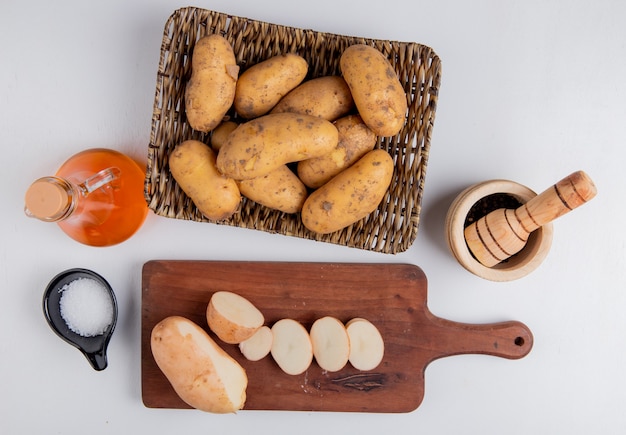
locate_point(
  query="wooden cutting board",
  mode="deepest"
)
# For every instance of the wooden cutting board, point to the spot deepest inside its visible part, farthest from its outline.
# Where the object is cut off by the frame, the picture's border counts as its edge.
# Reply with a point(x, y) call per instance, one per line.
point(392, 296)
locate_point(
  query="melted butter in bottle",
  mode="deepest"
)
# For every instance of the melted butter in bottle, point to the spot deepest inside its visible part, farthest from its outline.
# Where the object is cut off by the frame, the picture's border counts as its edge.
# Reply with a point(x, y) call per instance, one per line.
point(96, 197)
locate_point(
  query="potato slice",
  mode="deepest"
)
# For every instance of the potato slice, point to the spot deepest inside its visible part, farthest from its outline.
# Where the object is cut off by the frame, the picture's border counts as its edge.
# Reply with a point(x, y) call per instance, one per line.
point(366, 344)
point(203, 375)
point(331, 345)
point(232, 317)
point(258, 346)
point(291, 346)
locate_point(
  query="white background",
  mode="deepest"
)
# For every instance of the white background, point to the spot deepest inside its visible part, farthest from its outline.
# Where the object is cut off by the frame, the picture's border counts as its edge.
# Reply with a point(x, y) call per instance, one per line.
point(531, 91)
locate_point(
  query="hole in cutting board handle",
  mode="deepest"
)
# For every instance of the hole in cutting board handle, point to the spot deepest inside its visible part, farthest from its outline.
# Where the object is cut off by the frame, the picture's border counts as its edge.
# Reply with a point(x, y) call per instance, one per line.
point(519, 341)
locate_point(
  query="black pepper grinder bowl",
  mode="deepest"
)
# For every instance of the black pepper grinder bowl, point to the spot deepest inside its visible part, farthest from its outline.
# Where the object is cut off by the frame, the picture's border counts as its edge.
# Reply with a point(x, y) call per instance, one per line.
point(488, 195)
point(93, 347)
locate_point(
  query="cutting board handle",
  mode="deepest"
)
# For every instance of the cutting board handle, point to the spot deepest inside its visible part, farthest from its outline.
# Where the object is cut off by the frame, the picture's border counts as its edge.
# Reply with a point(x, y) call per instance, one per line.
point(511, 339)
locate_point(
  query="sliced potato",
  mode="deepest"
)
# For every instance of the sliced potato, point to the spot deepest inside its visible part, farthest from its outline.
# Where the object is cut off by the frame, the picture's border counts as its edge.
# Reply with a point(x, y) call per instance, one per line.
point(291, 346)
point(331, 345)
point(203, 375)
point(232, 317)
point(366, 344)
point(258, 346)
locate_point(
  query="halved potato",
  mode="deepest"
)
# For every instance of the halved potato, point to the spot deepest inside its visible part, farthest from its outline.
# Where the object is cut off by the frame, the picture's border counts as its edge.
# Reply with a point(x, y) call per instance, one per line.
point(203, 375)
point(232, 317)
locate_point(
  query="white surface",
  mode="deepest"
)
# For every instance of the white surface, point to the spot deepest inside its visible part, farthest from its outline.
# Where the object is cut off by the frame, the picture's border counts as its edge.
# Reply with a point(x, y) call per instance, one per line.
point(531, 91)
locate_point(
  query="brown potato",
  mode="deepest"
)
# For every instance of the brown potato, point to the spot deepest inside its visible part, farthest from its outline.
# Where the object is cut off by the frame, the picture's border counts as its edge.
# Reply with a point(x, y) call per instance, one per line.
point(220, 133)
point(262, 85)
point(202, 374)
point(326, 97)
point(281, 189)
point(349, 196)
point(192, 164)
point(210, 91)
point(355, 139)
point(377, 92)
point(259, 146)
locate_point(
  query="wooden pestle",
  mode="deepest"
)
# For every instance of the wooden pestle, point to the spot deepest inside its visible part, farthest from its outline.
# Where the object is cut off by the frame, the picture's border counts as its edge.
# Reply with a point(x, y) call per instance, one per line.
point(504, 232)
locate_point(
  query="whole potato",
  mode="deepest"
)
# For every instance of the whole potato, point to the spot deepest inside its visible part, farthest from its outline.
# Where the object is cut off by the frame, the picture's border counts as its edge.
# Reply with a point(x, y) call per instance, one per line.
point(210, 92)
point(355, 139)
point(377, 92)
point(349, 196)
point(261, 145)
point(202, 374)
point(262, 85)
point(281, 189)
point(327, 97)
point(192, 164)
point(220, 133)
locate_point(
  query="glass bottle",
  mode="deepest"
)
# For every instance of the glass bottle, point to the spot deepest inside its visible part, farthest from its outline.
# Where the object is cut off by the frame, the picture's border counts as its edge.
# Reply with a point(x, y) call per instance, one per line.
point(95, 197)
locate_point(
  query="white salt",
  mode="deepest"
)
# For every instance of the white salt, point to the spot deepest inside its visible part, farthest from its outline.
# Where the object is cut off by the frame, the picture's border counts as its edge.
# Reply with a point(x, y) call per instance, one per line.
point(86, 307)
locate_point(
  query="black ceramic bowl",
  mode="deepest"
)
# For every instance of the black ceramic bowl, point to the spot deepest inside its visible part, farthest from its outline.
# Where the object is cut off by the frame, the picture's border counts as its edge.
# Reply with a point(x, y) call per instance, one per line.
point(94, 347)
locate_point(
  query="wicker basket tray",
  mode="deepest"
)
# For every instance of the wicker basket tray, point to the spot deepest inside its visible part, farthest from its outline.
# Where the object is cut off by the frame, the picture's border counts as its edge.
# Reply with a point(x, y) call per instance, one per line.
point(392, 228)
